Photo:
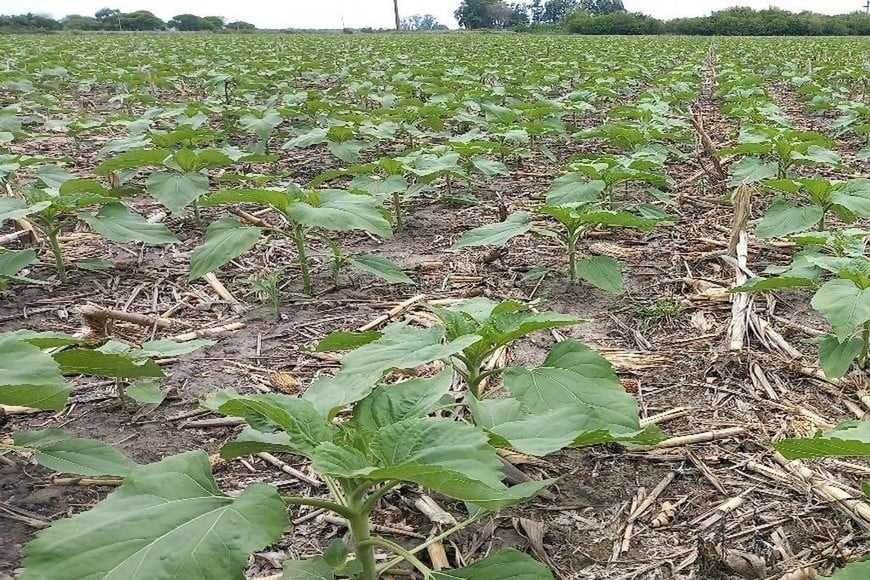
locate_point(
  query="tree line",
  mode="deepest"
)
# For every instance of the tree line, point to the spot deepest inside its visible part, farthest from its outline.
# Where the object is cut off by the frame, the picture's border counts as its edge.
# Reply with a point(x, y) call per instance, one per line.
point(112, 19)
point(610, 17)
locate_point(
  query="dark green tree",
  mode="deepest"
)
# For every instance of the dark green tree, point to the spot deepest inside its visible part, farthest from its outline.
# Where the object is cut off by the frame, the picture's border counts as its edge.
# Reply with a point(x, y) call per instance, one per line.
point(556, 10)
point(602, 6)
point(141, 20)
point(188, 23)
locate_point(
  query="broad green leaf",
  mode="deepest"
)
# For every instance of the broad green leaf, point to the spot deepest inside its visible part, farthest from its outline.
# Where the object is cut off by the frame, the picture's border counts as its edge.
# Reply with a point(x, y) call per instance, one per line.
point(816, 154)
point(489, 167)
point(13, 261)
point(62, 451)
point(403, 347)
point(775, 283)
point(29, 377)
point(573, 189)
point(225, 240)
point(848, 439)
point(175, 191)
point(168, 519)
point(380, 267)
point(146, 393)
point(133, 160)
point(83, 361)
point(277, 199)
point(783, 218)
point(169, 348)
point(853, 571)
point(390, 404)
point(836, 357)
point(344, 340)
point(13, 208)
point(844, 306)
point(854, 196)
point(117, 223)
point(506, 564)
point(41, 339)
point(752, 170)
point(263, 126)
point(379, 187)
point(602, 272)
point(314, 137)
point(347, 151)
point(251, 441)
point(496, 234)
point(617, 218)
point(313, 569)
point(305, 425)
point(341, 211)
point(53, 176)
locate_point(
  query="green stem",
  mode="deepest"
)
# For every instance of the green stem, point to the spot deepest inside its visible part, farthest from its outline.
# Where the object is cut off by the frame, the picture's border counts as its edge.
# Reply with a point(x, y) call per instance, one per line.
point(197, 218)
point(433, 540)
point(360, 531)
point(405, 554)
point(373, 499)
point(865, 348)
point(325, 504)
point(397, 207)
point(51, 233)
point(299, 237)
point(571, 244)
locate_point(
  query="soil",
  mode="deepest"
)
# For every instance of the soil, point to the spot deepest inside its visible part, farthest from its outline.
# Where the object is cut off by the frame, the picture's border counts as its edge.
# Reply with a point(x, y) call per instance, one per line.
point(670, 359)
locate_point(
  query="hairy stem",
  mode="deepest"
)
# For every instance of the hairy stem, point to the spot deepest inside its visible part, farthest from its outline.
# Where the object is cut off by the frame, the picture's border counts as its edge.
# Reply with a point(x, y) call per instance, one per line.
point(405, 554)
point(360, 531)
point(571, 245)
point(326, 504)
point(433, 540)
point(51, 233)
point(299, 238)
point(397, 208)
point(865, 347)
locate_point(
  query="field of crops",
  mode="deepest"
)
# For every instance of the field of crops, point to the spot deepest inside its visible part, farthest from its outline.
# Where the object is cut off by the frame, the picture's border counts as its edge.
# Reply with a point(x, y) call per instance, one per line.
point(433, 306)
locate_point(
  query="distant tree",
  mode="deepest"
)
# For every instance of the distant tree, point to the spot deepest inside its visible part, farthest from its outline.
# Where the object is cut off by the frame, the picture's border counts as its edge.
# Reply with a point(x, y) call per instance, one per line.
point(188, 22)
point(473, 14)
point(602, 6)
point(214, 22)
point(78, 22)
point(240, 25)
point(555, 11)
point(110, 18)
point(537, 11)
point(141, 20)
point(421, 22)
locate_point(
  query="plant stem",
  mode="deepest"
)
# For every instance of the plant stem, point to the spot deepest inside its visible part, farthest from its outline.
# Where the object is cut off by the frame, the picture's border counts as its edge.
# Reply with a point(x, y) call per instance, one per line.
point(865, 348)
point(372, 500)
point(397, 207)
point(571, 244)
point(405, 554)
point(51, 233)
point(197, 218)
point(299, 237)
point(314, 502)
point(434, 539)
point(360, 531)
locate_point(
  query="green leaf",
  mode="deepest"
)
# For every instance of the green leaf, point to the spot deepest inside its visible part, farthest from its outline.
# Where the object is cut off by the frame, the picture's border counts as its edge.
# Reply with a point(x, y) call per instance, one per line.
point(783, 218)
point(225, 240)
point(13, 261)
point(752, 170)
point(574, 397)
point(573, 189)
point(380, 267)
point(62, 451)
point(343, 340)
point(29, 377)
point(393, 403)
point(133, 160)
point(341, 211)
point(496, 234)
point(380, 187)
point(41, 339)
point(489, 167)
point(13, 208)
point(853, 571)
point(170, 348)
point(602, 272)
point(305, 425)
point(836, 357)
point(83, 361)
point(276, 199)
point(175, 191)
point(775, 283)
point(313, 569)
point(146, 393)
point(168, 519)
point(117, 223)
point(844, 306)
point(403, 347)
point(347, 151)
point(848, 439)
point(506, 564)
point(53, 176)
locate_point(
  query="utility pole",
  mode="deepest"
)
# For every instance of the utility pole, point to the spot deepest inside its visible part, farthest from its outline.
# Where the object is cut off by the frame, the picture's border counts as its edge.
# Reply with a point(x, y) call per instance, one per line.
point(867, 6)
point(399, 22)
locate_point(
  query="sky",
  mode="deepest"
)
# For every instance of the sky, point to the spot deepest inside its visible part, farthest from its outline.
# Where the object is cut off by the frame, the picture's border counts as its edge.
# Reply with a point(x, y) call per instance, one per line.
point(374, 13)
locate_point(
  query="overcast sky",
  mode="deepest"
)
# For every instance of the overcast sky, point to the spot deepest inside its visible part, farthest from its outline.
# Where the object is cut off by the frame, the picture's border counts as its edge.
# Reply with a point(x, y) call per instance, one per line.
point(375, 13)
